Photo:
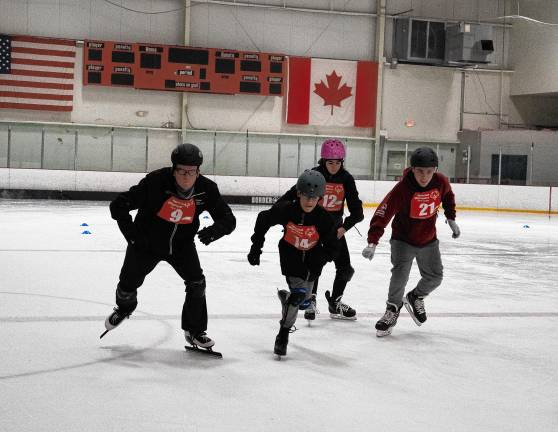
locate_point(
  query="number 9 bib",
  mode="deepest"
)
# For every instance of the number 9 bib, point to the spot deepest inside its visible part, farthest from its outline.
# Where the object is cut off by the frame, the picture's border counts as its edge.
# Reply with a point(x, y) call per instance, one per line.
point(178, 211)
point(425, 204)
point(301, 237)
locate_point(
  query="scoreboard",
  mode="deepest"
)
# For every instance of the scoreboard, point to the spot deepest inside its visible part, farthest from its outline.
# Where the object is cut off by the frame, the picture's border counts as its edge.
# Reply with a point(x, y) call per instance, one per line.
point(181, 68)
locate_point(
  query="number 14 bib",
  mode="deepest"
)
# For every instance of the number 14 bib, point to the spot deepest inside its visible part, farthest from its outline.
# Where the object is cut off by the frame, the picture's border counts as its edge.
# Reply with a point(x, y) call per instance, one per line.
point(178, 211)
point(425, 204)
point(301, 237)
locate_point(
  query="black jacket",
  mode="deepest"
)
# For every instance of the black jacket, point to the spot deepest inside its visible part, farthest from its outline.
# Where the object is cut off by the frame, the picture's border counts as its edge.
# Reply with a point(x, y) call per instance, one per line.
point(306, 264)
point(350, 194)
point(160, 235)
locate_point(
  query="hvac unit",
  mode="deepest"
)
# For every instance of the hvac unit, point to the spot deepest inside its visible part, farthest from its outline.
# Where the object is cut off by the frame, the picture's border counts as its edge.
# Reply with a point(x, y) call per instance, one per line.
point(419, 41)
point(468, 43)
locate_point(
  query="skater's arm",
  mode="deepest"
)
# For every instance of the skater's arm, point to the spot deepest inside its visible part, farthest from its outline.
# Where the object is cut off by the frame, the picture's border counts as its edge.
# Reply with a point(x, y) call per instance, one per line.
point(125, 202)
point(448, 201)
point(224, 221)
point(390, 205)
point(265, 220)
point(354, 204)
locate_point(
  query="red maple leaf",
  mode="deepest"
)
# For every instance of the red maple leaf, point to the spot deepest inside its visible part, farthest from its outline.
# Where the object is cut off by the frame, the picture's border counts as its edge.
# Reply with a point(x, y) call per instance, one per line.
point(331, 93)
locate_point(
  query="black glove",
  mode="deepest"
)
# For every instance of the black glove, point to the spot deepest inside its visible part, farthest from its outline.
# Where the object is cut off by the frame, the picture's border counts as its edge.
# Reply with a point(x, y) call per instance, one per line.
point(210, 234)
point(254, 256)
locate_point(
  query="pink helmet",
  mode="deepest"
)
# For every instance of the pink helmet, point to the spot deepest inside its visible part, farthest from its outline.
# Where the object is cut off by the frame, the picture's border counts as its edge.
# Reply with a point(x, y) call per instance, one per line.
point(332, 149)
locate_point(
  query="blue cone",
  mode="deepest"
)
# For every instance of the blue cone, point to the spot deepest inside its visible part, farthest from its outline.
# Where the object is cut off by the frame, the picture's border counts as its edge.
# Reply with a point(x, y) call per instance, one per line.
point(84, 224)
point(86, 232)
point(526, 226)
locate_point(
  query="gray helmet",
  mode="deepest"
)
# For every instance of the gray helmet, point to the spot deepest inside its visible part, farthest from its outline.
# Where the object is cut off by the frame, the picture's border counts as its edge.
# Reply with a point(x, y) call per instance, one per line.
point(311, 183)
point(424, 157)
point(186, 154)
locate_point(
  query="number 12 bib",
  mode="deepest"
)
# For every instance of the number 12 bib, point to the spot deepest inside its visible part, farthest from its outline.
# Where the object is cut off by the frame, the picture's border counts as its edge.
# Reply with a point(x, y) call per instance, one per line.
point(425, 204)
point(178, 211)
point(301, 237)
point(333, 197)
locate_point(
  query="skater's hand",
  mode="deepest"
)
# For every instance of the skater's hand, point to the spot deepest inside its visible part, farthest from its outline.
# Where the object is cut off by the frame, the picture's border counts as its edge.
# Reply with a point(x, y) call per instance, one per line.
point(210, 234)
point(368, 251)
point(341, 232)
point(254, 256)
point(454, 228)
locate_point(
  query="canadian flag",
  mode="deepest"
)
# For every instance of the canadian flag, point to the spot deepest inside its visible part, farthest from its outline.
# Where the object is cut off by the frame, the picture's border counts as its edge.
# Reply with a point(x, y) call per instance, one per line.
point(327, 92)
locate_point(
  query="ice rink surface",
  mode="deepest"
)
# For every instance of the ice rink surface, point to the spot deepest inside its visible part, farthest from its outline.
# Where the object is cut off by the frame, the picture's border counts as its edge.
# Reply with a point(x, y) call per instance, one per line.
point(486, 359)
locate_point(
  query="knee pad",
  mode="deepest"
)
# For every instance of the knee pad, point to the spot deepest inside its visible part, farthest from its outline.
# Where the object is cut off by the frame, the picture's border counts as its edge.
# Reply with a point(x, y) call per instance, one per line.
point(345, 273)
point(195, 289)
point(297, 297)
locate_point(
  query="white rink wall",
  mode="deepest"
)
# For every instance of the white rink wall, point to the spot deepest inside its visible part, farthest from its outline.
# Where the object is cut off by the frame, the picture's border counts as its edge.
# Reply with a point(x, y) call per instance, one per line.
point(468, 196)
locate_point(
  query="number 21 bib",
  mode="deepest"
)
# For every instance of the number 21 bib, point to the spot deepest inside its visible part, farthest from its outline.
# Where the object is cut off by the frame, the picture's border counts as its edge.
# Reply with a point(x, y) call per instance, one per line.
point(425, 204)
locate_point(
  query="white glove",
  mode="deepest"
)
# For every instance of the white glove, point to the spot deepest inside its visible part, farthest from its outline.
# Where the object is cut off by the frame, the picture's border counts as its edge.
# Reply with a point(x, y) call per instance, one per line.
point(368, 251)
point(454, 228)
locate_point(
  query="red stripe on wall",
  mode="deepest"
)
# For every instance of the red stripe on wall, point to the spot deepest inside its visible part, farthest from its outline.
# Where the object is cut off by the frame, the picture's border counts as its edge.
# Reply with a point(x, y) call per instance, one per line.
point(44, 40)
point(45, 52)
point(26, 95)
point(26, 72)
point(35, 84)
point(366, 93)
point(298, 95)
point(35, 107)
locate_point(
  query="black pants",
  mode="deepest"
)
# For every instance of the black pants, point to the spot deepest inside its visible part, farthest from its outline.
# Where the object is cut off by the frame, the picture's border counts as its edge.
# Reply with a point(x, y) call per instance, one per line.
point(138, 264)
point(343, 270)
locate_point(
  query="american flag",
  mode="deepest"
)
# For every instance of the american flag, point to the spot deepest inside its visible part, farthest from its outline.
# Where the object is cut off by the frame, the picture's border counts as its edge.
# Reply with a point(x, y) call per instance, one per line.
point(36, 73)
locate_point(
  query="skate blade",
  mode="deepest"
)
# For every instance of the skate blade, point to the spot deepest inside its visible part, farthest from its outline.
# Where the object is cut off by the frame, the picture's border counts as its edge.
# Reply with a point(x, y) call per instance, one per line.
point(342, 318)
point(410, 310)
point(104, 333)
point(207, 351)
point(383, 333)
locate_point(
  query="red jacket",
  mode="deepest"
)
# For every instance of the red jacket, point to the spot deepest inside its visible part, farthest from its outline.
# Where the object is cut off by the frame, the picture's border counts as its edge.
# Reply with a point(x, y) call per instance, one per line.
point(415, 209)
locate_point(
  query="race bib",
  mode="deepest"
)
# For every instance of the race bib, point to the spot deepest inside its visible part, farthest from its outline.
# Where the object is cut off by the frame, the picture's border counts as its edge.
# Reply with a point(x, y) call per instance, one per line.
point(178, 211)
point(333, 197)
point(301, 237)
point(425, 204)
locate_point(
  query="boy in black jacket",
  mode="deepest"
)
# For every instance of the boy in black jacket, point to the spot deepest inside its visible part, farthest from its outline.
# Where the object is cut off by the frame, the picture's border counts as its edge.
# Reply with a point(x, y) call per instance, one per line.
point(308, 242)
point(169, 203)
point(340, 187)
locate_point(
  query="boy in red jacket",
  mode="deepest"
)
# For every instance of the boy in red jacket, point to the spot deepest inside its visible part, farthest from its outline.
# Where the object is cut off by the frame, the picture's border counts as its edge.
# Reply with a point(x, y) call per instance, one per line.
point(414, 202)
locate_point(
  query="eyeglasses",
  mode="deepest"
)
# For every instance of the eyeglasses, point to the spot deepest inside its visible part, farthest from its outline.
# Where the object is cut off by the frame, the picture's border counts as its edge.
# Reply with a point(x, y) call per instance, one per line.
point(186, 172)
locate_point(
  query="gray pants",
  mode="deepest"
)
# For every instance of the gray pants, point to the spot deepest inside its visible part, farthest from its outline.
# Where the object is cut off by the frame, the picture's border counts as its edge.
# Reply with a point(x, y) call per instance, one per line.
point(290, 302)
point(429, 263)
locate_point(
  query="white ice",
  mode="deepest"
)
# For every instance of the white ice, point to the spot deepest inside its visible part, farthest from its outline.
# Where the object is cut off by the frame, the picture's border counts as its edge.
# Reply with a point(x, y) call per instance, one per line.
point(486, 359)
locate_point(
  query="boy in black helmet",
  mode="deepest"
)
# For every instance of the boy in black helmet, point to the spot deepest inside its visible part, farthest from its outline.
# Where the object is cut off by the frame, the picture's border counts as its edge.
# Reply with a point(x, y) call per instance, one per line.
point(414, 202)
point(308, 242)
point(169, 202)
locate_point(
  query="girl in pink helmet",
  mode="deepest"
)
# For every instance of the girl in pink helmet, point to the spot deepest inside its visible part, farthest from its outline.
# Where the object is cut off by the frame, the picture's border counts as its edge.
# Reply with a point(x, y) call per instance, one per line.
point(340, 188)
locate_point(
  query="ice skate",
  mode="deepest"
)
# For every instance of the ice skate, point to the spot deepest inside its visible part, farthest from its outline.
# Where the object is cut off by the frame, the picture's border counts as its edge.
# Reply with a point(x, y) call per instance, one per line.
point(200, 343)
point(338, 309)
point(312, 310)
point(114, 320)
point(415, 307)
point(385, 324)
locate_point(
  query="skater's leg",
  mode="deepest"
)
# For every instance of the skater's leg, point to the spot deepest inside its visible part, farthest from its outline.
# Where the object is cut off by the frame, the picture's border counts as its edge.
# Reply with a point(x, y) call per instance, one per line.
point(343, 269)
point(137, 265)
point(194, 310)
point(402, 255)
point(429, 262)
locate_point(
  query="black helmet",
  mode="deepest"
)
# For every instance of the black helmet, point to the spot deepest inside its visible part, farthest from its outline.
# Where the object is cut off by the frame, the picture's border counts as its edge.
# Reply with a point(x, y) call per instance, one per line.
point(424, 157)
point(311, 183)
point(186, 154)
